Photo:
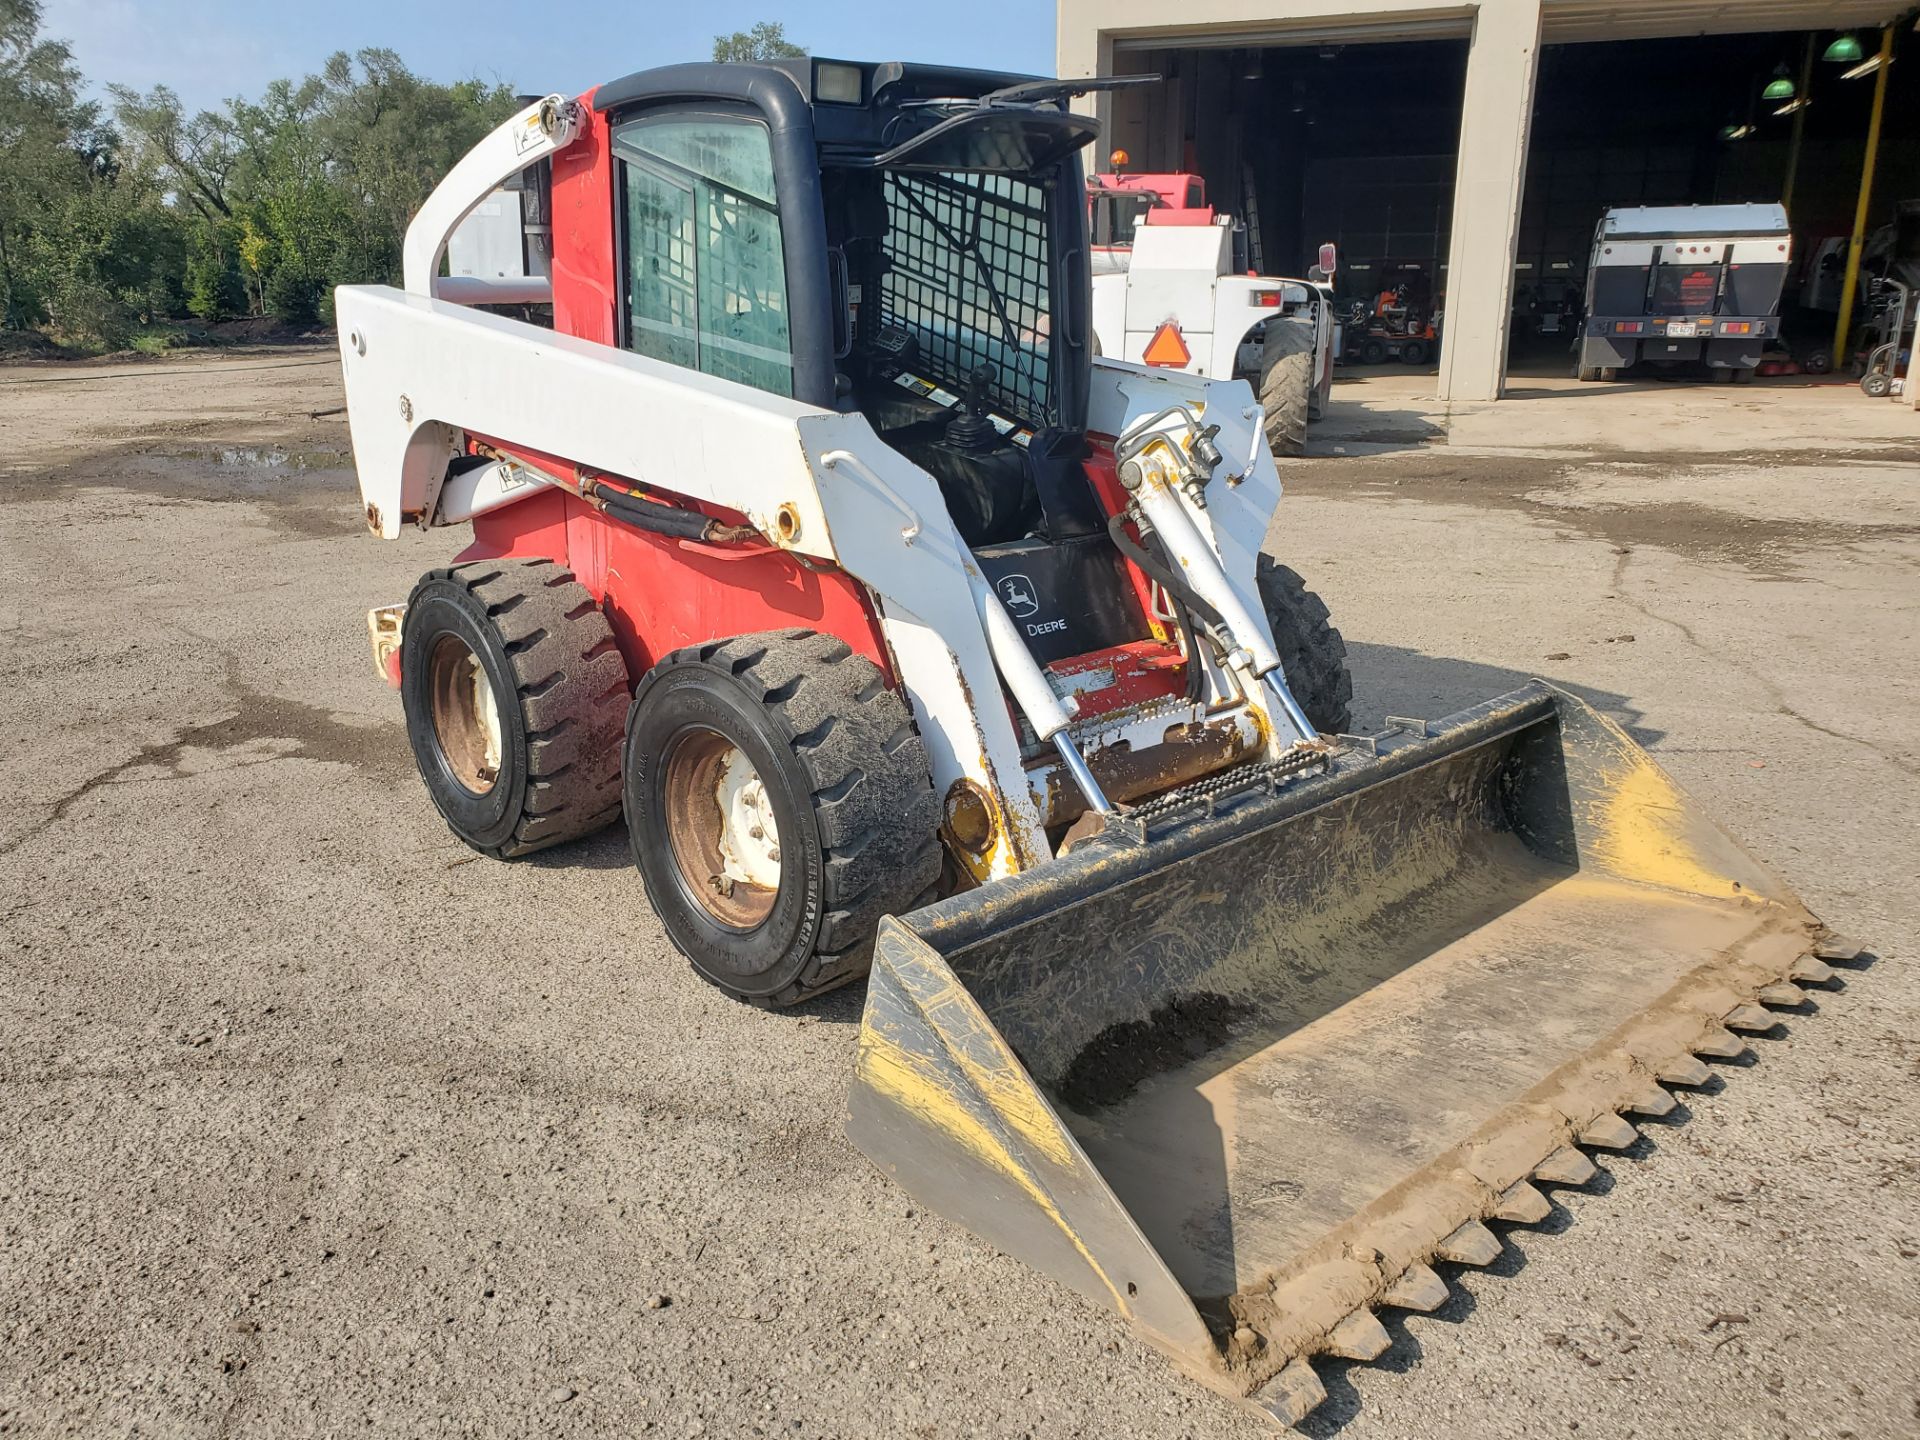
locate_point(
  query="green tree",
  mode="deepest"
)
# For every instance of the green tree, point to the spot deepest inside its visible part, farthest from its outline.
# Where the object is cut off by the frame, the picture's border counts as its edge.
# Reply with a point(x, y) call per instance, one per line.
point(765, 41)
point(51, 147)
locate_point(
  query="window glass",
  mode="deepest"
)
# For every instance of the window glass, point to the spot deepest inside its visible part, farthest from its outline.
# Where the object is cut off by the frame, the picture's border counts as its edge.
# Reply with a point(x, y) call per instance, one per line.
point(706, 272)
point(967, 276)
point(1685, 289)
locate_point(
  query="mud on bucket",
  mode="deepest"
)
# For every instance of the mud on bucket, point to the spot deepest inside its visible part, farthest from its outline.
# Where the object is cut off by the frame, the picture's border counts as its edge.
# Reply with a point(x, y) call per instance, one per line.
point(1238, 1080)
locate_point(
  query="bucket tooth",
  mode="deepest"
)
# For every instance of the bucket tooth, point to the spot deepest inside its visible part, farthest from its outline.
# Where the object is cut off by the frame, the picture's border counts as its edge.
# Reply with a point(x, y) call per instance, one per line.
point(1719, 1044)
point(1809, 971)
point(1291, 1395)
point(1832, 946)
point(1521, 1204)
point(1360, 1336)
point(1566, 1166)
point(1786, 995)
point(1655, 1102)
point(1471, 1244)
point(1417, 1288)
point(1684, 1070)
point(1750, 1018)
point(1609, 1132)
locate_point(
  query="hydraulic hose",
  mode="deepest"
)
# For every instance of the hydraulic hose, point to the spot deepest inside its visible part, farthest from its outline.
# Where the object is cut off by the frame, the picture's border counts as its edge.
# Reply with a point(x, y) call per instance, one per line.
point(1186, 602)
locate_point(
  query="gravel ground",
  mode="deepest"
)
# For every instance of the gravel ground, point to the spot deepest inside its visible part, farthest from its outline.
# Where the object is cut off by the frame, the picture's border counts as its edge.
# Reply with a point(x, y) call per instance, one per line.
point(313, 1123)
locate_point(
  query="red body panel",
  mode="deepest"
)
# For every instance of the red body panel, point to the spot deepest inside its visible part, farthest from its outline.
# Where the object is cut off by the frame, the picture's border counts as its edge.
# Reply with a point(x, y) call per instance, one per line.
point(661, 594)
point(586, 295)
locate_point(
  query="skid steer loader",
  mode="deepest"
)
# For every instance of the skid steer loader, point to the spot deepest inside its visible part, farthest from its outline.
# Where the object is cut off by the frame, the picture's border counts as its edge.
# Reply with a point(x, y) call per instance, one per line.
point(909, 636)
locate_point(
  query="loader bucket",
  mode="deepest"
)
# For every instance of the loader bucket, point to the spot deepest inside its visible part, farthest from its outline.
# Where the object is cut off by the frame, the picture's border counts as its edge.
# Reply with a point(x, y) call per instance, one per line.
point(1243, 1080)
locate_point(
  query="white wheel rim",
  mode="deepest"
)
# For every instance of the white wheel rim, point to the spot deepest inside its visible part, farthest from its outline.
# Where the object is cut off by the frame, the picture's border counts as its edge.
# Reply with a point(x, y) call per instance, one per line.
point(749, 834)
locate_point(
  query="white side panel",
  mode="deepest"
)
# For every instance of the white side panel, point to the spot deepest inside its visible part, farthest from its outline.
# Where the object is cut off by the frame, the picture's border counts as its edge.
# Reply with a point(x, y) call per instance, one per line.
point(1170, 276)
point(1110, 313)
point(891, 529)
point(420, 372)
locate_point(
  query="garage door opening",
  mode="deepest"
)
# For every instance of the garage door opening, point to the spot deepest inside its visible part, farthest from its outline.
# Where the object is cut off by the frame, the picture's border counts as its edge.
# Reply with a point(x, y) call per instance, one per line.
point(1688, 121)
point(1350, 143)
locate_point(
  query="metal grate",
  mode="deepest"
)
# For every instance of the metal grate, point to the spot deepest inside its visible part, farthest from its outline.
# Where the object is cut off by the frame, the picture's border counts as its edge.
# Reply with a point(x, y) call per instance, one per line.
point(967, 277)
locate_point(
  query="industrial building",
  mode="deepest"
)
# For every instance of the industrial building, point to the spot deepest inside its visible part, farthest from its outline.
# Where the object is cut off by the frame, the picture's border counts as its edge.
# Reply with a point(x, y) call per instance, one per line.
point(1466, 151)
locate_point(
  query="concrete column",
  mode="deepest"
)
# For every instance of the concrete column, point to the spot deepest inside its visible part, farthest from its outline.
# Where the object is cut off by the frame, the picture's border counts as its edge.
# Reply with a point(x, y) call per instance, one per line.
point(1487, 187)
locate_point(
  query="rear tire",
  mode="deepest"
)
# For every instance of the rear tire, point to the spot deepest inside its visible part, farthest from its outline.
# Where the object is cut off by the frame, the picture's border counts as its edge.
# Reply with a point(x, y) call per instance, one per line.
point(1373, 351)
point(1414, 352)
point(514, 694)
point(1313, 656)
point(1286, 385)
point(833, 775)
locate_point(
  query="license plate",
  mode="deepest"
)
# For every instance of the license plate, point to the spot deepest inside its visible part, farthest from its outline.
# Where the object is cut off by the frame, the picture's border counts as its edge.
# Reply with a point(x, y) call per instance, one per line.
point(1682, 329)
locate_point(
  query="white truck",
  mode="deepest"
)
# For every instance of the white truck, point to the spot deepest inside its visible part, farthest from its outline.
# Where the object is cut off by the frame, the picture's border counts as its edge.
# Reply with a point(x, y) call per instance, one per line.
point(1171, 291)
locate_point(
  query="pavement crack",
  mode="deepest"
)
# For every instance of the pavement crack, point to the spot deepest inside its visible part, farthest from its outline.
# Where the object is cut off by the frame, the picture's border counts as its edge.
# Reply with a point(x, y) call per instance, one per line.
point(317, 733)
point(1774, 692)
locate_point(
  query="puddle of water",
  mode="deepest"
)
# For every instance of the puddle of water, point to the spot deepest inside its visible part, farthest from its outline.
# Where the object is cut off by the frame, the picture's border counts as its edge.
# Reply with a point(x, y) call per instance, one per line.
point(273, 457)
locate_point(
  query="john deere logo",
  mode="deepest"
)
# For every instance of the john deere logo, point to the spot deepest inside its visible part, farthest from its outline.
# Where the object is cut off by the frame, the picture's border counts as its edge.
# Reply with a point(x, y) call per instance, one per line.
point(1016, 593)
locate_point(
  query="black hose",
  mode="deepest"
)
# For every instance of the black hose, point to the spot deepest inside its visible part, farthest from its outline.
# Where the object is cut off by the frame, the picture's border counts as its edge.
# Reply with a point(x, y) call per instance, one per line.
point(661, 519)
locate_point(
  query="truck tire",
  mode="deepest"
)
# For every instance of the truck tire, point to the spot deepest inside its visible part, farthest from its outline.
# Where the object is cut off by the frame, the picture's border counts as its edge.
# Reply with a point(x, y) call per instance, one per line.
point(1313, 656)
point(1286, 384)
point(779, 802)
point(1373, 350)
point(514, 693)
point(1414, 352)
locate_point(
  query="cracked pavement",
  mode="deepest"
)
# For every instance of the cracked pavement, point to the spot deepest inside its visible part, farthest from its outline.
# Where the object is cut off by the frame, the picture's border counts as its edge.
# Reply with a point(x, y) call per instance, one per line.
point(312, 1122)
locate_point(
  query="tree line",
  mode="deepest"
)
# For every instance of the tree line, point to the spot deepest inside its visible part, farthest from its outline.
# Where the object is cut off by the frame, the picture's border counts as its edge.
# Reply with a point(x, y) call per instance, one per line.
point(118, 217)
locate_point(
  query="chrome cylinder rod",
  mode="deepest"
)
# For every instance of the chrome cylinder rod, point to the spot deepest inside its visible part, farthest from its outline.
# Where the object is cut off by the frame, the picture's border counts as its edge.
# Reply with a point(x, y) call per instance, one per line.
point(1296, 717)
point(1076, 765)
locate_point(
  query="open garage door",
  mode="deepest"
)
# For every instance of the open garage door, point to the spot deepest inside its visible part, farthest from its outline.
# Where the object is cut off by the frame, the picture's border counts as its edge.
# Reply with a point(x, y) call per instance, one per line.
point(1689, 121)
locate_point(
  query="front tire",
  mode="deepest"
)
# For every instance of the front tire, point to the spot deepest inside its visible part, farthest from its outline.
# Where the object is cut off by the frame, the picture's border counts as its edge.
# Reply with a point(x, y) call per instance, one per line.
point(779, 802)
point(514, 695)
point(1286, 384)
point(1313, 656)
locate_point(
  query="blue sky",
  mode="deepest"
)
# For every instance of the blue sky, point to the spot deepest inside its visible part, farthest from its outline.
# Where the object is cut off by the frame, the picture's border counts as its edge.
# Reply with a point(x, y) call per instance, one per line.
point(210, 49)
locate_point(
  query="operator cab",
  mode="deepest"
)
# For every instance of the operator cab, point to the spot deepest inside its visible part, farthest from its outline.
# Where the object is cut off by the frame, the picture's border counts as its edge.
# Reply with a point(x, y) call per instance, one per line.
point(904, 241)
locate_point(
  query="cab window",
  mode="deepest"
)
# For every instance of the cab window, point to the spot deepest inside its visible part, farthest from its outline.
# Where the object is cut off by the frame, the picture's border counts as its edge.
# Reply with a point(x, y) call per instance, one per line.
point(706, 283)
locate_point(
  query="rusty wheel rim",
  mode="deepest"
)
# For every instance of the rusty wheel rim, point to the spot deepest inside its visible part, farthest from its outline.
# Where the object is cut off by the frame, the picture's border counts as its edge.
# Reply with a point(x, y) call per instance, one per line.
point(466, 718)
point(721, 828)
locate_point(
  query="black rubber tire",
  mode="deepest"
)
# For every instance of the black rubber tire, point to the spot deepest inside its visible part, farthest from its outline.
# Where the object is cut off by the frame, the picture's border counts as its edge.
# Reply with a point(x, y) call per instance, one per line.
point(1876, 384)
point(1743, 375)
point(848, 780)
point(560, 687)
point(1414, 352)
point(1286, 384)
point(1312, 653)
point(1373, 350)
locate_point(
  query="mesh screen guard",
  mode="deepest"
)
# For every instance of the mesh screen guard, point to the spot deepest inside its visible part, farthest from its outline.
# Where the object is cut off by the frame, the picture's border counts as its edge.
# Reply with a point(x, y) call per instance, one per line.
point(967, 274)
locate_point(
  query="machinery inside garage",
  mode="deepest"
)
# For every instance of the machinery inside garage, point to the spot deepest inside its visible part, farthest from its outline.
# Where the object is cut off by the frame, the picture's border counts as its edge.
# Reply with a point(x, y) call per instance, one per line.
point(1320, 125)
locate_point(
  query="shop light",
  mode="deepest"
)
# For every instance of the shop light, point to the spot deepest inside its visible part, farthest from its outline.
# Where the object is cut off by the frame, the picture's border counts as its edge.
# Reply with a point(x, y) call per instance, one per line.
point(1780, 87)
point(1843, 51)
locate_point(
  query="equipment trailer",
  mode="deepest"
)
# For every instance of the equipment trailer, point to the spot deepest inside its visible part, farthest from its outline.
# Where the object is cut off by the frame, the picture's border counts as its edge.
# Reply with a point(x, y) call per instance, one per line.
point(908, 635)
